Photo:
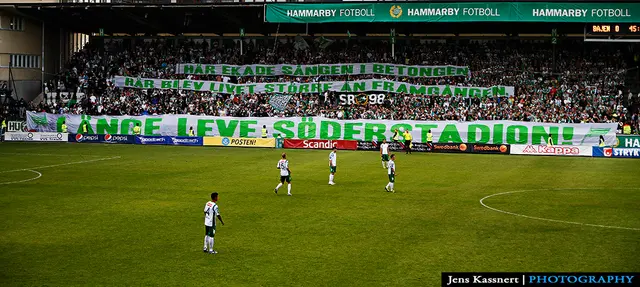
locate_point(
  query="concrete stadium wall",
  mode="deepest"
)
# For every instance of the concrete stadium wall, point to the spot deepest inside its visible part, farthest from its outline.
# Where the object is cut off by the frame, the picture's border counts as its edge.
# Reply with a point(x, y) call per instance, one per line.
point(59, 46)
point(27, 41)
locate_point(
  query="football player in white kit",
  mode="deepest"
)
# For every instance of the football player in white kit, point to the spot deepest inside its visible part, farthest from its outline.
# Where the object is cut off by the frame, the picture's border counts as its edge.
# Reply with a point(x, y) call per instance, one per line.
point(211, 211)
point(384, 152)
point(285, 174)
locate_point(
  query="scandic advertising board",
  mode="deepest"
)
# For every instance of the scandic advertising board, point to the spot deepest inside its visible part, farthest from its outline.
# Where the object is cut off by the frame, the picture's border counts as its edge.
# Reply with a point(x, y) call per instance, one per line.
point(320, 144)
point(552, 150)
point(454, 12)
point(35, 137)
point(480, 132)
point(239, 142)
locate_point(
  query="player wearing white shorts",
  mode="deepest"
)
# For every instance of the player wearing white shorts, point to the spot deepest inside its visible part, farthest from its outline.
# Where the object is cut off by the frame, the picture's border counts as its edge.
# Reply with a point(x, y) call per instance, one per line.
point(285, 174)
point(384, 152)
point(332, 165)
point(211, 211)
point(392, 174)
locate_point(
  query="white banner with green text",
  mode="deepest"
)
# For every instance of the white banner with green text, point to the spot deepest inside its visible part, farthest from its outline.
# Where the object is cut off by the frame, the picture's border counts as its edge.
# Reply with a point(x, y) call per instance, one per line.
point(492, 132)
point(318, 87)
point(323, 70)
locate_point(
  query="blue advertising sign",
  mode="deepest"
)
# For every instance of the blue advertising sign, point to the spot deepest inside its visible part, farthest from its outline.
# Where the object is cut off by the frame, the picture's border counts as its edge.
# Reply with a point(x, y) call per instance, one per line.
point(120, 139)
point(167, 140)
point(616, 152)
point(152, 140)
point(190, 141)
point(626, 152)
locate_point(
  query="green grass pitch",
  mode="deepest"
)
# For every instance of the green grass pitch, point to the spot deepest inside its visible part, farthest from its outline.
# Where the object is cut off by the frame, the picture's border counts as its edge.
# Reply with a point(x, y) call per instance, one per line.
point(138, 220)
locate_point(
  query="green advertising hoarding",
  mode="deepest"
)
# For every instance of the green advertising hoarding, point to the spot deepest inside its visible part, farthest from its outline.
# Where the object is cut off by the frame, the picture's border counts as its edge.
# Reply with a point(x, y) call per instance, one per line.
point(627, 141)
point(454, 12)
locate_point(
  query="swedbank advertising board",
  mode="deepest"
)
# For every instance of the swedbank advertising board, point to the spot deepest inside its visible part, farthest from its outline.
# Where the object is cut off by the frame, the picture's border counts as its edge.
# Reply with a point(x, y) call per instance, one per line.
point(454, 12)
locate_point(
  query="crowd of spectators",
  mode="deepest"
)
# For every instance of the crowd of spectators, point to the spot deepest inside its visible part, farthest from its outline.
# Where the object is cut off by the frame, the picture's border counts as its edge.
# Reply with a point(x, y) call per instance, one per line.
point(585, 82)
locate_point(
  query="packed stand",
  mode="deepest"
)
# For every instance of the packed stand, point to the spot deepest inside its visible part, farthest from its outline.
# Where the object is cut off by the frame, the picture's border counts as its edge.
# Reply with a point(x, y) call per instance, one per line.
point(587, 85)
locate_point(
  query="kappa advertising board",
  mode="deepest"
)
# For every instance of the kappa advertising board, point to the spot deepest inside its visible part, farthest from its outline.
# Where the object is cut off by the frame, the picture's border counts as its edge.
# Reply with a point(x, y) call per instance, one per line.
point(552, 150)
point(111, 139)
point(320, 144)
point(165, 140)
point(239, 142)
point(35, 137)
point(616, 152)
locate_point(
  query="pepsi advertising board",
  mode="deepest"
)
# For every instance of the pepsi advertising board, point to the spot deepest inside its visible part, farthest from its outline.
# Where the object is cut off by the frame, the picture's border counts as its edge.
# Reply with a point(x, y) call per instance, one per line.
point(114, 139)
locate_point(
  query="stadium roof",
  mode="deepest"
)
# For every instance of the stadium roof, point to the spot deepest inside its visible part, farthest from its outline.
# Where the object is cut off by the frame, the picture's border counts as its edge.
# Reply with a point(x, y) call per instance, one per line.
point(197, 17)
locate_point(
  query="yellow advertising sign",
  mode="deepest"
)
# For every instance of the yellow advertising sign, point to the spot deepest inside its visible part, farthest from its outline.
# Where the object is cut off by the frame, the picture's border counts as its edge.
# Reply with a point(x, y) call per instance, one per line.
point(239, 142)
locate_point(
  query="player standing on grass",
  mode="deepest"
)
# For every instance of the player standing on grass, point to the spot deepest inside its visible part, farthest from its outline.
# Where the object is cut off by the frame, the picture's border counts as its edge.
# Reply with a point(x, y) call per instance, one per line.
point(384, 152)
point(392, 174)
point(332, 165)
point(210, 213)
point(285, 174)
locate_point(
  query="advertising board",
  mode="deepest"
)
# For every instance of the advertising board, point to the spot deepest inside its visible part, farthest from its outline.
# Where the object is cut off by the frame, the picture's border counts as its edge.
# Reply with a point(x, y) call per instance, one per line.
point(166, 140)
point(35, 137)
point(107, 138)
point(490, 148)
point(239, 142)
point(616, 152)
point(17, 126)
point(552, 150)
point(320, 144)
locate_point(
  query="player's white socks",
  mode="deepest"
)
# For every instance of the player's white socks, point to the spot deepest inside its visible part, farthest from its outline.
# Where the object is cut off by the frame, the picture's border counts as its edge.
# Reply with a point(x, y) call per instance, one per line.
point(331, 178)
point(289, 188)
point(211, 243)
point(391, 183)
point(279, 185)
point(383, 166)
point(206, 239)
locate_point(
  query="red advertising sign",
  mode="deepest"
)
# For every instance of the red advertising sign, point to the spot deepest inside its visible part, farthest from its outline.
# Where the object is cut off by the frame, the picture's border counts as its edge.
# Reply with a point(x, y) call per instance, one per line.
point(320, 144)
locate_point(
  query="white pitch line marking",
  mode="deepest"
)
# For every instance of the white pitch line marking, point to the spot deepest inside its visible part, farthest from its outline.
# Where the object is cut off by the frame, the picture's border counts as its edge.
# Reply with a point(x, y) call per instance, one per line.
point(43, 154)
point(62, 164)
point(552, 220)
point(39, 175)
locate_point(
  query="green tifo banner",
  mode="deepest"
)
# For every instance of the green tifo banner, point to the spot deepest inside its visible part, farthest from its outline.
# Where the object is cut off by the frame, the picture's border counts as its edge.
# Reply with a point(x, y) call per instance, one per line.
point(493, 132)
point(318, 87)
point(322, 69)
point(454, 12)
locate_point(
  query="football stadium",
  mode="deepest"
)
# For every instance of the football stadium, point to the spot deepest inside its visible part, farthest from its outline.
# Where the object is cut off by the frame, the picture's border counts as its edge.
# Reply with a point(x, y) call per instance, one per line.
point(197, 142)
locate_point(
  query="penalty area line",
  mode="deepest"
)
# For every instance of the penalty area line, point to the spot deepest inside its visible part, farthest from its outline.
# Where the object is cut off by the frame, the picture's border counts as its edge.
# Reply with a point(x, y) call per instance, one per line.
point(548, 219)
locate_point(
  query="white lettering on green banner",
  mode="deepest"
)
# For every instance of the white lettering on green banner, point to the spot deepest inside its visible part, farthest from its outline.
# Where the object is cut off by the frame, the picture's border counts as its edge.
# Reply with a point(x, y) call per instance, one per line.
point(371, 85)
point(490, 132)
point(322, 69)
point(454, 12)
